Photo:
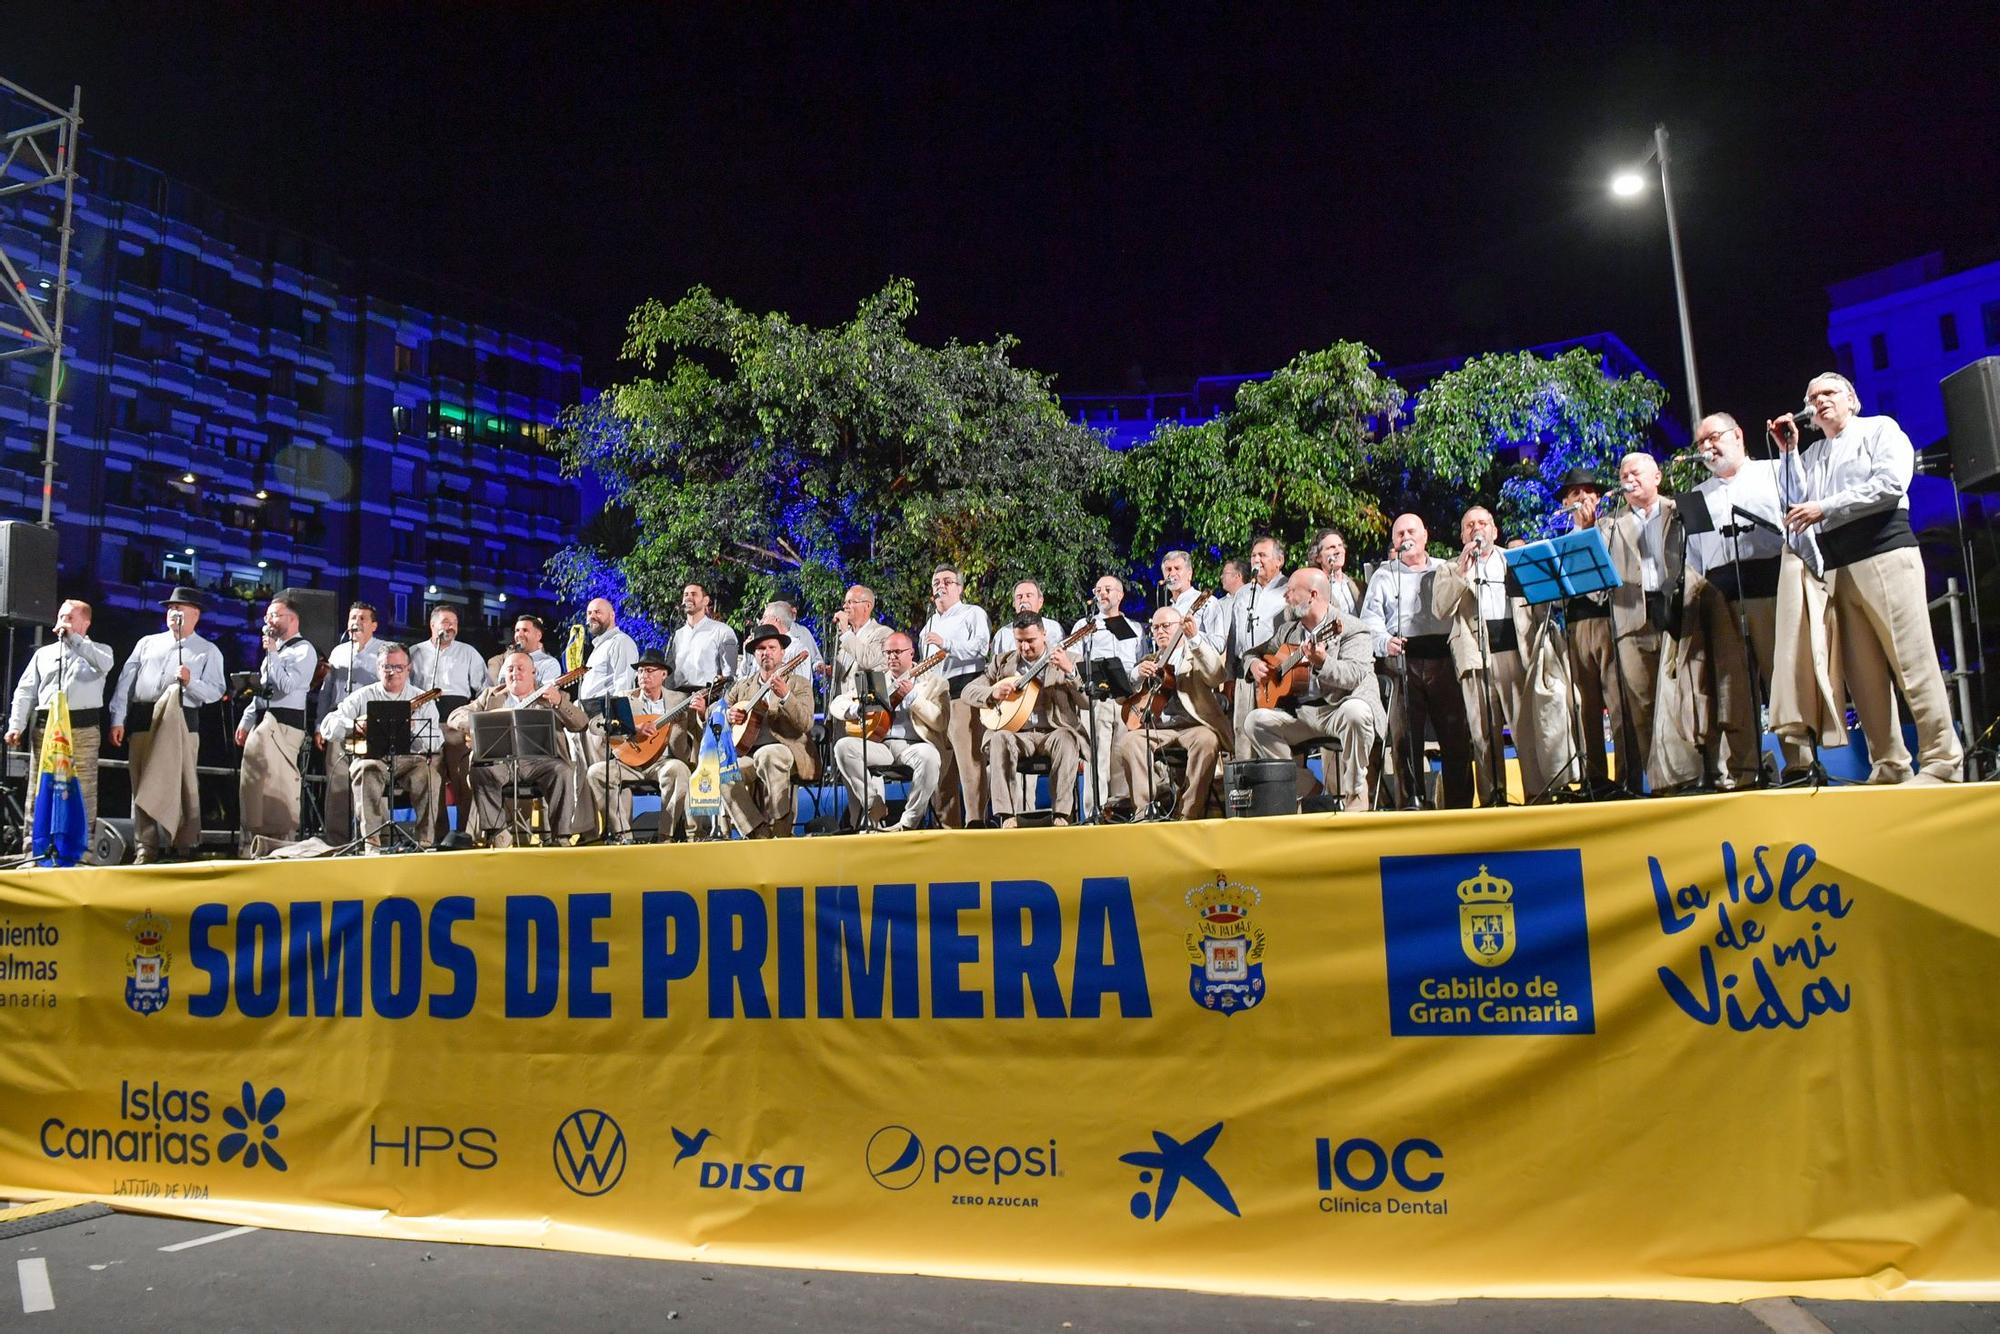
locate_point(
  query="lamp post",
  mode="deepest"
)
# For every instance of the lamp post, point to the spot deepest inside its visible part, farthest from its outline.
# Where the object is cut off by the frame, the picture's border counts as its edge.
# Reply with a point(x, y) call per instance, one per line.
point(1627, 185)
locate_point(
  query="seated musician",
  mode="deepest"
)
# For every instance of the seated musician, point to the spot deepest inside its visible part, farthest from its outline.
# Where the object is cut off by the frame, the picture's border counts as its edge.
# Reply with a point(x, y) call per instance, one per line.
point(610, 782)
point(1054, 728)
point(554, 778)
point(374, 777)
point(919, 717)
point(1335, 698)
point(1185, 709)
point(777, 703)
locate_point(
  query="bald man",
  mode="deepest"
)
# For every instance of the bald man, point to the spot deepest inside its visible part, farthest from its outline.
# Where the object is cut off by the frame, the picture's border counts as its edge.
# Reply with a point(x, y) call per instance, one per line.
point(860, 641)
point(1188, 715)
point(1338, 700)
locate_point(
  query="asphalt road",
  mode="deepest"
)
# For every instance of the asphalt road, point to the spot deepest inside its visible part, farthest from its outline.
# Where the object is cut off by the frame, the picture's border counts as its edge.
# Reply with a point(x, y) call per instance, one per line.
point(133, 1272)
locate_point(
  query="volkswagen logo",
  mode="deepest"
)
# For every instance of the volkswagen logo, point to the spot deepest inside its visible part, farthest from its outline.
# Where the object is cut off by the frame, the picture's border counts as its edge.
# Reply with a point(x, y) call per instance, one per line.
point(895, 1157)
point(589, 1152)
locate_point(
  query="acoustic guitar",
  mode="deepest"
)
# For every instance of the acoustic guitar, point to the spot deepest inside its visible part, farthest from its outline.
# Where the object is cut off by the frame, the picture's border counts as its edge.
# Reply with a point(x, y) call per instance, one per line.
point(640, 751)
point(357, 740)
point(877, 726)
point(1011, 715)
point(1145, 703)
point(1289, 670)
point(757, 707)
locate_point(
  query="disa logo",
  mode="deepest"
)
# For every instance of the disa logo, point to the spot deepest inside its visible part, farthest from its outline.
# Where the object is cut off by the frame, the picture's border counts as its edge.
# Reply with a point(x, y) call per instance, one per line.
point(713, 1174)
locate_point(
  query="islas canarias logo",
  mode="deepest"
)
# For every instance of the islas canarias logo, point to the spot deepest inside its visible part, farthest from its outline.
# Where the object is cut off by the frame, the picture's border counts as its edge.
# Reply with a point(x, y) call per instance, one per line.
point(147, 964)
point(1225, 948)
point(1486, 918)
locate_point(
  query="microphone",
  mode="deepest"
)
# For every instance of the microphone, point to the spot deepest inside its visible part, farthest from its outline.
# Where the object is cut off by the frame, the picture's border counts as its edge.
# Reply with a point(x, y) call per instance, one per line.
point(1403, 547)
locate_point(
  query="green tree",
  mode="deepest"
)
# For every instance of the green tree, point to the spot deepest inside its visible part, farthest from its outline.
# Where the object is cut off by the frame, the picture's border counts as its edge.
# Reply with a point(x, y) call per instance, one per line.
point(1296, 454)
point(770, 458)
point(1563, 412)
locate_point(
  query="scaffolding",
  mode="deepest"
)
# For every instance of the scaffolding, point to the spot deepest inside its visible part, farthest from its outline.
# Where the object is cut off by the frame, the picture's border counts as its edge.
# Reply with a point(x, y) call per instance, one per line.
point(40, 156)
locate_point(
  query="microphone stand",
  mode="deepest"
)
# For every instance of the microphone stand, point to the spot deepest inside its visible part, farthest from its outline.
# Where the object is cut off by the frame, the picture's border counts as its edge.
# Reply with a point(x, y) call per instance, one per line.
point(1733, 530)
point(1629, 775)
point(1096, 812)
point(1412, 748)
point(1496, 793)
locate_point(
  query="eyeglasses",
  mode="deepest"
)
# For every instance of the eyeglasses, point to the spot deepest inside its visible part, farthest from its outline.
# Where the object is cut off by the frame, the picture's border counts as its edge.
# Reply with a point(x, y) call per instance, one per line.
point(387, 669)
point(1701, 440)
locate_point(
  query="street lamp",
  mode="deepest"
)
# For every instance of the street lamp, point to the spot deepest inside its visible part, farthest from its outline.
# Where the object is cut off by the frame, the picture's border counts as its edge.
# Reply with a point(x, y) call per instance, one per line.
point(1629, 185)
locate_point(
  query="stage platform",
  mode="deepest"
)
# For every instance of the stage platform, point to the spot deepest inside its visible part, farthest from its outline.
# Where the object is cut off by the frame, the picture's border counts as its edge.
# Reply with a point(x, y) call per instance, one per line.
point(1708, 1048)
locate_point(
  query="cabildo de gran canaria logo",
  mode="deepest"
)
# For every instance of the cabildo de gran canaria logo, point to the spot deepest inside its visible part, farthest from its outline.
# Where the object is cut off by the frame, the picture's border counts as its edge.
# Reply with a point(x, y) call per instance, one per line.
point(1487, 943)
point(1225, 949)
point(146, 966)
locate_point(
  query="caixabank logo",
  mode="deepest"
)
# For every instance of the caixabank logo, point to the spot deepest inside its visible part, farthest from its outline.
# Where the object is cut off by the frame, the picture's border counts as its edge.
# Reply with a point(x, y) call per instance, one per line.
point(163, 1125)
point(1487, 943)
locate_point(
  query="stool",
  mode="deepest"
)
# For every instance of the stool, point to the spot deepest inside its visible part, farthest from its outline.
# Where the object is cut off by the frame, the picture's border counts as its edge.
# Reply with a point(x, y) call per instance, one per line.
point(526, 814)
point(1303, 752)
point(1041, 817)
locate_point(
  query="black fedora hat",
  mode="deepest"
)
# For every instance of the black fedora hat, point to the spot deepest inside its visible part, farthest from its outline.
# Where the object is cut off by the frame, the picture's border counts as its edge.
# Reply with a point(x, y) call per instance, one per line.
point(183, 596)
point(652, 657)
point(1577, 477)
point(764, 634)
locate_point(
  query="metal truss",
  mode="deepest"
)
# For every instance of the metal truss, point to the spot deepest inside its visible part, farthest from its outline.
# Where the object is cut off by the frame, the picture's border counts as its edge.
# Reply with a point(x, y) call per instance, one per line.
point(46, 151)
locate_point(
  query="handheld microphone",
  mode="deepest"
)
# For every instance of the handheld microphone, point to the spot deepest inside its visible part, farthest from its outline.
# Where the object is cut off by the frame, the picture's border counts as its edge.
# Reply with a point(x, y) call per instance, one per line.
point(1403, 548)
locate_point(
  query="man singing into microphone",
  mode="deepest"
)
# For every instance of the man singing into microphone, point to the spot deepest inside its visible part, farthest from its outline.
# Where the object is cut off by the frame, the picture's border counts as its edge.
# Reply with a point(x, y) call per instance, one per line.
point(448, 664)
point(77, 666)
point(1852, 490)
point(354, 664)
point(163, 754)
point(272, 730)
point(1413, 648)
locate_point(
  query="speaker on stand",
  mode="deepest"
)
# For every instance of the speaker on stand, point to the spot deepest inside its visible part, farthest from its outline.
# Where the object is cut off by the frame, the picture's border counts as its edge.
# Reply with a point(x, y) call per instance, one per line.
point(1972, 426)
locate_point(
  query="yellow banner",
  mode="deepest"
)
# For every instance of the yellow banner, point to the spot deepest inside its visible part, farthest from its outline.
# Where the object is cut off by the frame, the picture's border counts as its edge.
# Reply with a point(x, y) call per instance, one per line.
point(1711, 1048)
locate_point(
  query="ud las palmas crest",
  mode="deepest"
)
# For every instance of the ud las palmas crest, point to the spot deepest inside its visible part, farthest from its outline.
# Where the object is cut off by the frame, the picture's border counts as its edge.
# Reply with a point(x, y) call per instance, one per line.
point(1225, 949)
point(146, 966)
point(1486, 919)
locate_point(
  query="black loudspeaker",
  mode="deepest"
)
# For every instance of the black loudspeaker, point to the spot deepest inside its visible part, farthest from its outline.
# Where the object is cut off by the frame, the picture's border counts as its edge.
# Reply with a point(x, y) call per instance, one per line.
point(115, 844)
point(1260, 787)
point(320, 621)
point(28, 574)
point(1972, 419)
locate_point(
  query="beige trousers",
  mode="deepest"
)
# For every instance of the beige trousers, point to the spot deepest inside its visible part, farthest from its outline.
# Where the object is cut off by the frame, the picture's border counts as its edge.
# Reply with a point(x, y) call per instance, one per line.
point(268, 788)
point(1883, 620)
point(1136, 750)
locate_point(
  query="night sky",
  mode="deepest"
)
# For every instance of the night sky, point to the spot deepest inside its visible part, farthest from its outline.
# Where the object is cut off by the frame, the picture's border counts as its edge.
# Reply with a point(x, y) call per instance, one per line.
point(1142, 194)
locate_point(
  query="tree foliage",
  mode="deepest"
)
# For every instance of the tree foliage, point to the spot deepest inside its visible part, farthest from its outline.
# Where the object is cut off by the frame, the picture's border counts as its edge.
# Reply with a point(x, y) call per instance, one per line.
point(1296, 454)
point(1562, 412)
point(767, 458)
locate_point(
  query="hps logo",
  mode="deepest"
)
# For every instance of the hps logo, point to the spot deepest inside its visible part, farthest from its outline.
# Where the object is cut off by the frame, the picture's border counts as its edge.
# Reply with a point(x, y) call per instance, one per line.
point(589, 1152)
point(722, 1174)
point(898, 1159)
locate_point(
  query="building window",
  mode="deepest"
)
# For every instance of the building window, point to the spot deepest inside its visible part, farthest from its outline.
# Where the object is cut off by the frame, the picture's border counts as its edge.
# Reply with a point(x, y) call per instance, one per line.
point(1843, 357)
point(406, 360)
point(1878, 351)
point(1948, 332)
point(1989, 315)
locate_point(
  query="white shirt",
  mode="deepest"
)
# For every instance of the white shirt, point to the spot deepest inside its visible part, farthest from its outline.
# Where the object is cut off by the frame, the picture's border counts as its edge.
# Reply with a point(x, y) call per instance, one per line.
point(1255, 611)
point(425, 734)
point(1003, 638)
point(348, 669)
point(155, 664)
point(966, 635)
point(285, 676)
point(1102, 644)
point(1491, 572)
point(458, 671)
point(1650, 540)
point(609, 668)
point(1398, 602)
point(703, 652)
point(1751, 489)
point(1864, 469)
point(75, 664)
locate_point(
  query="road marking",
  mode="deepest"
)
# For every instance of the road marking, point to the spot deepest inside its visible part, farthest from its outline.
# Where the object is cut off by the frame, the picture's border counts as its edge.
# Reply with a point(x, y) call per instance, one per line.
point(35, 1293)
point(1785, 1316)
point(213, 1236)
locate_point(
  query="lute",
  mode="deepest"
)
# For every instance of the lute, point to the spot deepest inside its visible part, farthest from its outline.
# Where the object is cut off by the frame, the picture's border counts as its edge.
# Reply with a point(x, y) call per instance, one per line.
point(756, 708)
point(1145, 702)
point(1011, 715)
point(877, 726)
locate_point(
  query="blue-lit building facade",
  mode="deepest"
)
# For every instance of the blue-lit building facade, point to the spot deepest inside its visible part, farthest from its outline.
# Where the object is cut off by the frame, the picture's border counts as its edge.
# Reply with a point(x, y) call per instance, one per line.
point(242, 412)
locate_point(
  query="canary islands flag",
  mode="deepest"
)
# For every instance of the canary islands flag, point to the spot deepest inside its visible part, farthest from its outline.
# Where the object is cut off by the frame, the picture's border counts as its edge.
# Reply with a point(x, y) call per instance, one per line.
point(60, 833)
point(716, 766)
point(573, 655)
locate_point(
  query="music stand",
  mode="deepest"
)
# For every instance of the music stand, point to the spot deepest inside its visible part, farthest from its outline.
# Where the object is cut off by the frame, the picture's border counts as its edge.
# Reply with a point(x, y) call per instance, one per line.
point(1699, 518)
point(389, 736)
point(1555, 570)
point(508, 736)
